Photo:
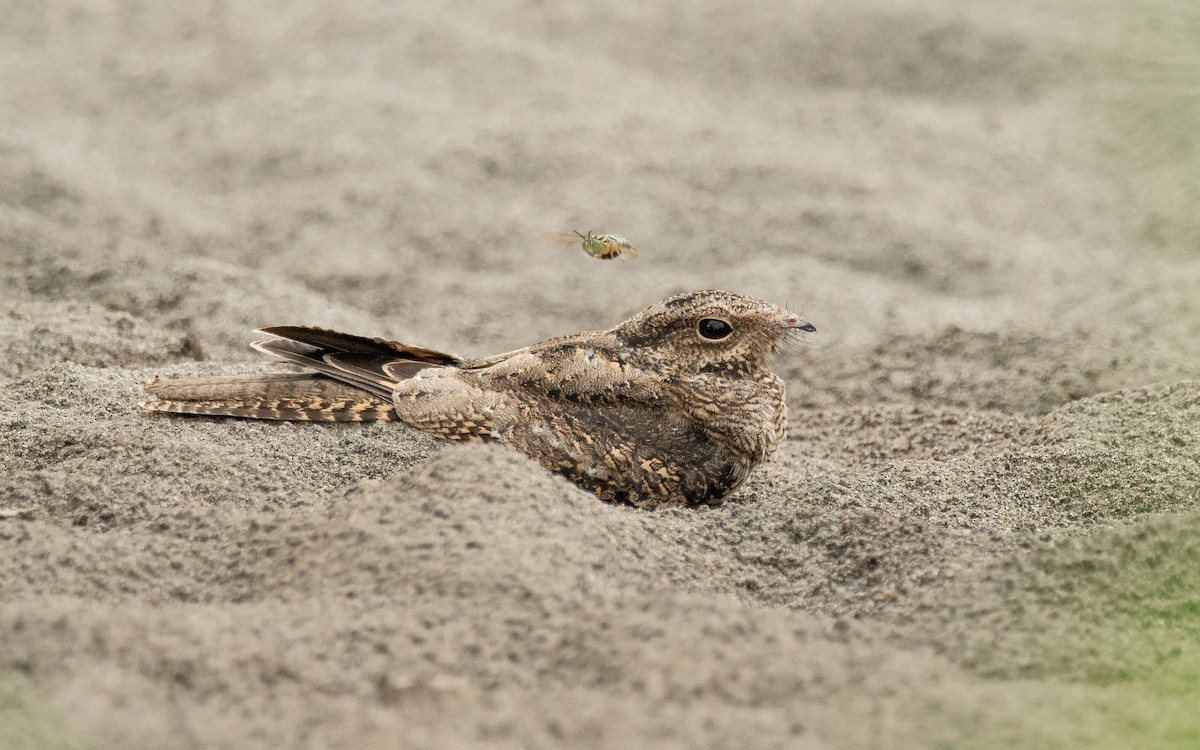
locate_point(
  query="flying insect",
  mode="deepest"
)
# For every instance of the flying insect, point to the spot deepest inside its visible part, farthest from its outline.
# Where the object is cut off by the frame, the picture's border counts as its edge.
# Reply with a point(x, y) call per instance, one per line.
point(602, 246)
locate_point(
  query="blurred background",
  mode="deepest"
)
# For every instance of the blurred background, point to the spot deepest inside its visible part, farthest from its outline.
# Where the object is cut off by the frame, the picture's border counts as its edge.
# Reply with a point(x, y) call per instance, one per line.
point(886, 167)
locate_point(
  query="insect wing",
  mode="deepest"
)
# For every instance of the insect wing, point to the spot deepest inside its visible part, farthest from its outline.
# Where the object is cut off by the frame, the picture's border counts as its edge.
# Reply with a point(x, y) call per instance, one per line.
point(561, 238)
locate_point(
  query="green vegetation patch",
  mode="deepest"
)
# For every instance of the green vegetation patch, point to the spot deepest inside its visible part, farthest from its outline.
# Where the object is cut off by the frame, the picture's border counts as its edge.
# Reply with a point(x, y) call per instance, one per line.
point(1147, 84)
point(1104, 647)
point(24, 725)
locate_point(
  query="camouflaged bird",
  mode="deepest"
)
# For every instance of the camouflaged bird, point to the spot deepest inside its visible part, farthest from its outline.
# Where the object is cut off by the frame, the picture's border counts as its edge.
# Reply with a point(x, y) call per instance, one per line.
point(675, 406)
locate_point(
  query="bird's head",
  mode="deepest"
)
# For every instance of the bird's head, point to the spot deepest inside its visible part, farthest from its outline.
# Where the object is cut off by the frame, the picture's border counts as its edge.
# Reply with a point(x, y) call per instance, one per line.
point(712, 331)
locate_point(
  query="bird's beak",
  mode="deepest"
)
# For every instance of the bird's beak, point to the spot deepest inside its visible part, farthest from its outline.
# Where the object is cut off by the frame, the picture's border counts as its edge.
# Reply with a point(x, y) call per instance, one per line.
point(792, 320)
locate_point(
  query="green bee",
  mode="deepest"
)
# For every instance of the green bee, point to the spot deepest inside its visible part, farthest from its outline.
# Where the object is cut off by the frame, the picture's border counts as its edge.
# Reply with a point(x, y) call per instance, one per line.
point(602, 246)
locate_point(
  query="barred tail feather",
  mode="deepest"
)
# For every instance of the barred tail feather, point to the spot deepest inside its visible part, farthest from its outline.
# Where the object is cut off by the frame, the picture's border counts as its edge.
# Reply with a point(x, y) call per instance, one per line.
point(304, 397)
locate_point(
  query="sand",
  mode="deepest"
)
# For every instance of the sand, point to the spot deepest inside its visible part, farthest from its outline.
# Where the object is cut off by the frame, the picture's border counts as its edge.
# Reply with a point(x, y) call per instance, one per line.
point(978, 533)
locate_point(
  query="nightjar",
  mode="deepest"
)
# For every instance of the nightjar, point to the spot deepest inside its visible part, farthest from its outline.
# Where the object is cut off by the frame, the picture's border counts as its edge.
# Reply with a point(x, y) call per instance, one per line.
point(672, 407)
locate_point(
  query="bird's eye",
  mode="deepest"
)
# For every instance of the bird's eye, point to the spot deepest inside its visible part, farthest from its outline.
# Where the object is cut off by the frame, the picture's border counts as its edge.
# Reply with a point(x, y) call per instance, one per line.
point(714, 329)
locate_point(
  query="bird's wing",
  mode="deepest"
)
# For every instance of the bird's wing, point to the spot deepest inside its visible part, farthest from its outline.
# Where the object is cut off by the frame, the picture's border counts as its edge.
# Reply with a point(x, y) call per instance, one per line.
point(584, 366)
point(373, 364)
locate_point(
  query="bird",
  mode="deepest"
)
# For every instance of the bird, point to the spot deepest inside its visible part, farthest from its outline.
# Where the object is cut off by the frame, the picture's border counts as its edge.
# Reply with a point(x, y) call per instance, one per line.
point(673, 407)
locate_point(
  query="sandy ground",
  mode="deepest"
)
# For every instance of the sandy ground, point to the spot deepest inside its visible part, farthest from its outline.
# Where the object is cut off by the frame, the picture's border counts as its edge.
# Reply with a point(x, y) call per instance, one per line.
point(996, 252)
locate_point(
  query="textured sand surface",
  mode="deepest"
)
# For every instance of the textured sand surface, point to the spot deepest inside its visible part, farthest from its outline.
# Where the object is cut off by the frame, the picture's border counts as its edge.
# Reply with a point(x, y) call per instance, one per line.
point(976, 535)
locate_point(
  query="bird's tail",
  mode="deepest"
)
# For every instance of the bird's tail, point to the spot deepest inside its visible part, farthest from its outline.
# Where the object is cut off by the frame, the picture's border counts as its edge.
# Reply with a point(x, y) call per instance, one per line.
point(304, 397)
point(353, 380)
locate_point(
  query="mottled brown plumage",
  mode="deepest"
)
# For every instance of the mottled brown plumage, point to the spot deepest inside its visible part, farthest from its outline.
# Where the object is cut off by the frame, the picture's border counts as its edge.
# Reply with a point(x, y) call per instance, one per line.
point(674, 406)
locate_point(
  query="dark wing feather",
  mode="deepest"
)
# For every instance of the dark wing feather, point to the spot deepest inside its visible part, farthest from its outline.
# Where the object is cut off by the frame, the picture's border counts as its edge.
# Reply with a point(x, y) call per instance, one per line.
point(330, 341)
point(364, 370)
point(374, 364)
